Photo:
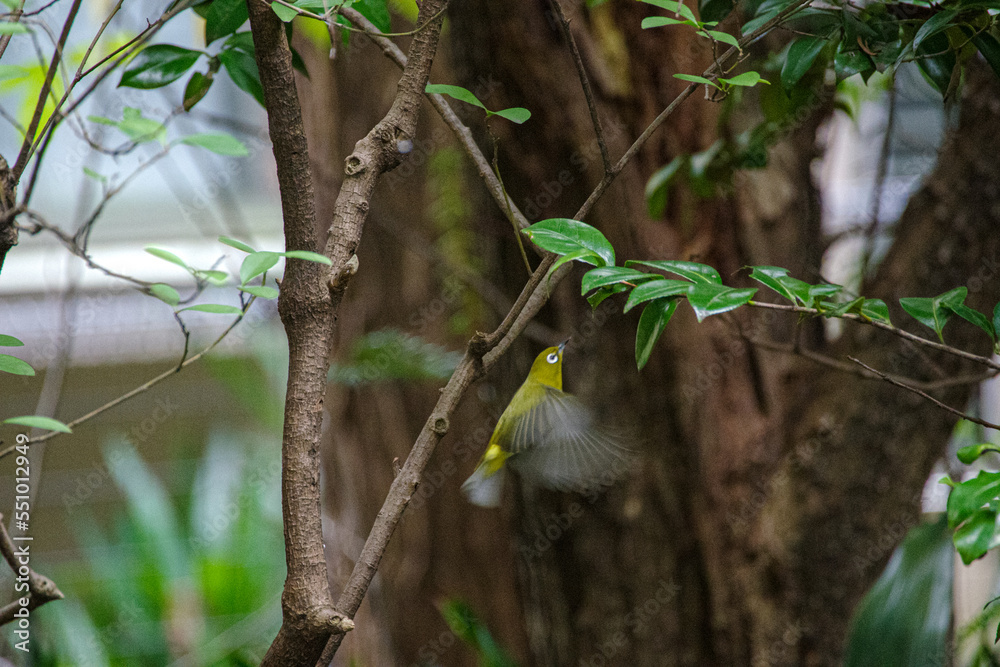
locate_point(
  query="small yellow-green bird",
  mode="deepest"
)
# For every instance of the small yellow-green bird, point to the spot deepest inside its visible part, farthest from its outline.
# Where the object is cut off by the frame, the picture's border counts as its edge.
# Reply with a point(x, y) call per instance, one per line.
point(549, 438)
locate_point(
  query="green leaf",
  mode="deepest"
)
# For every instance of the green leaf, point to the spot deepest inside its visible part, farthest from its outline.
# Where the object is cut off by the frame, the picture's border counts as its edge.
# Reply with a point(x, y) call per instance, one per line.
point(876, 310)
point(217, 308)
point(709, 299)
point(375, 11)
point(283, 12)
point(660, 21)
point(934, 312)
point(990, 48)
point(514, 114)
point(906, 616)
point(652, 322)
point(659, 184)
point(975, 317)
point(15, 366)
point(307, 256)
point(934, 25)
point(699, 273)
point(137, 128)
point(848, 63)
point(745, 79)
point(971, 495)
point(196, 88)
point(969, 454)
point(34, 421)
point(233, 243)
point(260, 290)
point(674, 7)
point(772, 276)
point(937, 70)
point(9, 341)
point(242, 69)
point(165, 293)
point(217, 278)
point(11, 28)
point(224, 18)
point(456, 92)
point(977, 535)
point(656, 289)
point(996, 318)
point(564, 235)
point(726, 38)
point(817, 293)
point(217, 142)
point(801, 55)
point(166, 255)
point(255, 264)
point(695, 79)
point(603, 293)
point(841, 309)
point(158, 65)
point(609, 275)
point(582, 255)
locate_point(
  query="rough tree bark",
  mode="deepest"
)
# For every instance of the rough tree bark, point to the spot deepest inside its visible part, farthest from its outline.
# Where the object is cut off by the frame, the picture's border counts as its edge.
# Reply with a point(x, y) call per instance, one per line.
point(757, 518)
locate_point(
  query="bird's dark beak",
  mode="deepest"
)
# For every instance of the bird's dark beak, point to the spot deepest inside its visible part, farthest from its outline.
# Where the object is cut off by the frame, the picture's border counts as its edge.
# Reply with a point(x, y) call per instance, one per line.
point(563, 345)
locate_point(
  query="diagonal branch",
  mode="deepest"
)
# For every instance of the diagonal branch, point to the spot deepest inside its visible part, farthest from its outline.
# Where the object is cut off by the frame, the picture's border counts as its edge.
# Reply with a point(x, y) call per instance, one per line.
point(902, 385)
point(581, 71)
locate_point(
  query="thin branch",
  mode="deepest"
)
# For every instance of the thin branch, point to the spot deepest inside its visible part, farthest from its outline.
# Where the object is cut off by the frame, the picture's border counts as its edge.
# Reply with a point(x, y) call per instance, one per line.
point(925, 395)
point(584, 81)
point(13, 17)
point(141, 388)
point(29, 137)
point(461, 131)
point(844, 367)
point(41, 588)
point(983, 361)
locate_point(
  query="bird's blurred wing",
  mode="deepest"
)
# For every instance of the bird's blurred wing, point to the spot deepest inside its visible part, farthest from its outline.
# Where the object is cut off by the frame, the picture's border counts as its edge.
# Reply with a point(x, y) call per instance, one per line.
point(560, 445)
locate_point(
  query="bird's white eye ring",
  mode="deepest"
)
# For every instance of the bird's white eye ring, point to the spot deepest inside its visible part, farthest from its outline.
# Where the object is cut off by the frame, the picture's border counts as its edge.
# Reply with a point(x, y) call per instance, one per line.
point(552, 358)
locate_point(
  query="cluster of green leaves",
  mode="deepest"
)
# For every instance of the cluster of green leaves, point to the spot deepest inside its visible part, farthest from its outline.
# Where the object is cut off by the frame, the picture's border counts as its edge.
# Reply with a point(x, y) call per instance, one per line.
point(390, 354)
point(159, 65)
point(514, 114)
point(850, 41)
point(207, 554)
point(701, 285)
point(974, 506)
point(684, 16)
point(256, 263)
point(16, 366)
point(375, 11)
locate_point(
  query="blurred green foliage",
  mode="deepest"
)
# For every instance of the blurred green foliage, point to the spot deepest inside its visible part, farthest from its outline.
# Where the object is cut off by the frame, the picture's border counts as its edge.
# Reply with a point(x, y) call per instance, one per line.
point(390, 354)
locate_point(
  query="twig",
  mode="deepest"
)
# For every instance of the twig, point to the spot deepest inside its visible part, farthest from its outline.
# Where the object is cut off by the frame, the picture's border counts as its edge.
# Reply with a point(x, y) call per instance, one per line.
point(29, 137)
point(460, 130)
point(41, 588)
point(141, 388)
point(923, 394)
point(584, 81)
point(13, 17)
point(984, 361)
point(845, 367)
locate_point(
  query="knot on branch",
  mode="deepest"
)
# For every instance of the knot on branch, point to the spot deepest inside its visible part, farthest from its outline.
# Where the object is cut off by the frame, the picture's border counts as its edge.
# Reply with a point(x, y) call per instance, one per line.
point(441, 426)
point(353, 165)
point(340, 278)
point(335, 621)
point(479, 345)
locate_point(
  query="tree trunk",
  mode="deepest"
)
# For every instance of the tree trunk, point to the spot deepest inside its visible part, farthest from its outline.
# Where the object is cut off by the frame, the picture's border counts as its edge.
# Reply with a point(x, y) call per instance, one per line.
point(770, 491)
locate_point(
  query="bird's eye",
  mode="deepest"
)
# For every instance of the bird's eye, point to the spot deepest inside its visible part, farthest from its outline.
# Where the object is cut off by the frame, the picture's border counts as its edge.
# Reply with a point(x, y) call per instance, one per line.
point(552, 358)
